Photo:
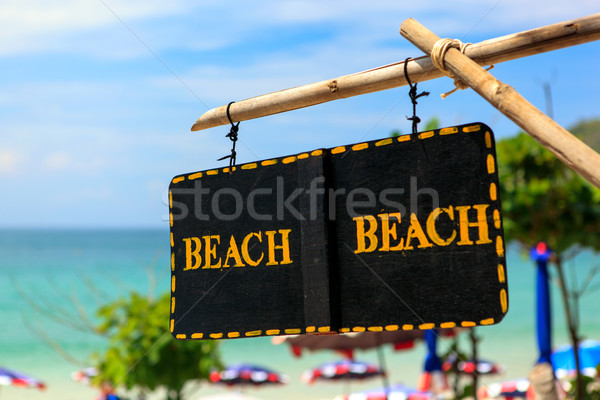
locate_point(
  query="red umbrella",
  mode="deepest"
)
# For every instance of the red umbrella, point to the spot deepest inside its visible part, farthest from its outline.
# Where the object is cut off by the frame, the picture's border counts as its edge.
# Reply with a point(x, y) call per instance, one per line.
point(342, 370)
point(484, 367)
point(244, 374)
point(8, 377)
point(346, 343)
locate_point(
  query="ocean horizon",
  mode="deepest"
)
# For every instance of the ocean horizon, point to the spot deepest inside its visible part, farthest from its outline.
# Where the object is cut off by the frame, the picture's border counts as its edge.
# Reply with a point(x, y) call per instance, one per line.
point(54, 276)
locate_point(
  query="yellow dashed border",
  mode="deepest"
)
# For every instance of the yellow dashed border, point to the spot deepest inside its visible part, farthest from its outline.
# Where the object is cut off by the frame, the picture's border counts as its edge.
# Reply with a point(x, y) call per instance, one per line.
point(254, 165)
point(250, 166)
point(360, 146)
point(384, 142)
point(472, 128)
point(493, 192)
point(220, 335)
point(490, 166)
point(448, 131)
point(491, 169)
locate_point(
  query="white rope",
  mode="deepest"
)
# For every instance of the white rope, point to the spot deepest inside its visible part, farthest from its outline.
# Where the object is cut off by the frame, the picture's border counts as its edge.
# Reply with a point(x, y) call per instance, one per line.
point(438, 52)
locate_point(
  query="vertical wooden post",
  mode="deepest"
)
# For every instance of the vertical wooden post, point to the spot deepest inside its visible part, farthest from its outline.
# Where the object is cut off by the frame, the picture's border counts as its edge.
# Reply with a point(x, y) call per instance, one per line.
point(543, 382)
point(566, 147)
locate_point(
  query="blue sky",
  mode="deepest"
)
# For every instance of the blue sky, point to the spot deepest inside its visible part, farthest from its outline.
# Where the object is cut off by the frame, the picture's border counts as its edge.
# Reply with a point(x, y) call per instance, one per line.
point(97, 97)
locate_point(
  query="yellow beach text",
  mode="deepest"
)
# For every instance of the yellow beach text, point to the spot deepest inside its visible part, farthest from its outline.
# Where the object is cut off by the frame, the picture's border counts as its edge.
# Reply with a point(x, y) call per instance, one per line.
point(381, 234)
point(270, 247)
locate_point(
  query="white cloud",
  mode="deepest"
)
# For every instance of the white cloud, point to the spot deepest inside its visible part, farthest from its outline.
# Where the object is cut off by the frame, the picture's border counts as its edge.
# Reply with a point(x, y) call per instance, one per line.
point(38, 26)
point(45, 25)
point(8, 162)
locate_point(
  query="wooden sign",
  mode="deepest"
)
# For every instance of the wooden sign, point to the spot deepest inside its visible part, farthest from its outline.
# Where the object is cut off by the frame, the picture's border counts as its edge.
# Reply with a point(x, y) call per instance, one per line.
point(398, 233)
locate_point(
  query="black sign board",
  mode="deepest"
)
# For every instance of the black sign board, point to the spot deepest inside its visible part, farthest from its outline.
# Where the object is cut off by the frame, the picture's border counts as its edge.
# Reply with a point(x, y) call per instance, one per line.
point(395, 234)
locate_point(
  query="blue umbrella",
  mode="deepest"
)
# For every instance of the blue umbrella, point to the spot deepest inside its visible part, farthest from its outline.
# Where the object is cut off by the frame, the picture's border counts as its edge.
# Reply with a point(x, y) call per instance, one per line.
point(541, 254)
point(563, 359)
point(432, 378)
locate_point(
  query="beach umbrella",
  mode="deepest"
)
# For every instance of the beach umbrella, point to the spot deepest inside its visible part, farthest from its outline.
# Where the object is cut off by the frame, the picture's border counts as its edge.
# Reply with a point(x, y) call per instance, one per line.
point(245, 374)
point(84, 375)
point(18, 379)
point(394, 392)
point(484, 367)
point(345, 370)
point(563, 359)
point(517, 388)
point(541, 254)
point(346, 343)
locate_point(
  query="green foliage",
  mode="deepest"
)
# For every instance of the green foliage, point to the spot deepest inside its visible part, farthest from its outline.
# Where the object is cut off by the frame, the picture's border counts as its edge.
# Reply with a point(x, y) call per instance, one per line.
point(591, 385)
point(142, 353)
point(589, 132)
point(543, 200)
point(432, 124)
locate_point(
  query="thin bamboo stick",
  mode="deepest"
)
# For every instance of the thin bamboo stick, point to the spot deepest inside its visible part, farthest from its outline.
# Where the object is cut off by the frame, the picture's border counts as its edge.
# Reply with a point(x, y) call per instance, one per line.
point(566, 147)
point(493, 51)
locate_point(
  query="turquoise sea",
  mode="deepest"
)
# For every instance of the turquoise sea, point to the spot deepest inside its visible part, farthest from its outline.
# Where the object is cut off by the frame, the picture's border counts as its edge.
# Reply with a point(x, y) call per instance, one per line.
point(51, 278)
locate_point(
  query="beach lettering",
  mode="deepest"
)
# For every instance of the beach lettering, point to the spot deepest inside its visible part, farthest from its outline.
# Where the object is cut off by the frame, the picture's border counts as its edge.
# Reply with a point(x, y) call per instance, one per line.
point(201, 252)
point(368, 227)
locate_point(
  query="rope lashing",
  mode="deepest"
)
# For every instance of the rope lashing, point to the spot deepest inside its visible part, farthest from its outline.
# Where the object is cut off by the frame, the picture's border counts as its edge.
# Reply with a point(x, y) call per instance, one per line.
point(438, 52)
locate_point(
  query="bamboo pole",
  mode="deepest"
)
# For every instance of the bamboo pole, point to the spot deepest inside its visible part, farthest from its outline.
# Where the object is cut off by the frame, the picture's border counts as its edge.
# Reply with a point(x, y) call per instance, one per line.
point(566, 147)
point(493, 51)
